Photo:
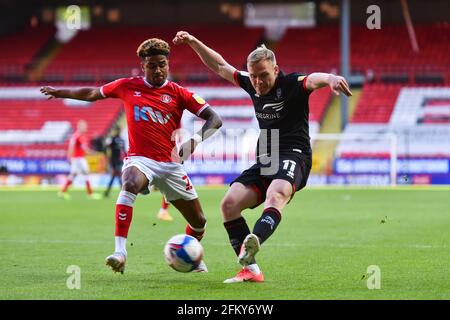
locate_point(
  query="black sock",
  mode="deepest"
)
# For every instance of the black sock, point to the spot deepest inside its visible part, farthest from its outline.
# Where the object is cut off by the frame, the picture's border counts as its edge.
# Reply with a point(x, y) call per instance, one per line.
point(267, 224)
point(237, 231)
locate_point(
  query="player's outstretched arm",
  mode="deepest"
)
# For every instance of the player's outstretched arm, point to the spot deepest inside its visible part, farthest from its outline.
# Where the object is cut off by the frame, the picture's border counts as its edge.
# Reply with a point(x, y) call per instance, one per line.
point(209, 57)
point(86, 94)
point(337, 84)
point(212, 124)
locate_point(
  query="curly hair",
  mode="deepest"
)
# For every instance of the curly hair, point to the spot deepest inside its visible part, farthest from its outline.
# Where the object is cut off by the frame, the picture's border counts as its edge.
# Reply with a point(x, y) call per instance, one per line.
point(153, 46)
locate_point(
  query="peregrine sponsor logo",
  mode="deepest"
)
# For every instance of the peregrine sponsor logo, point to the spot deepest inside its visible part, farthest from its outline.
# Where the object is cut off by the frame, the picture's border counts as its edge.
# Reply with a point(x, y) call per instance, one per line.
point(166, 98)
point(147, 113)
point(278, 106)
point(267, 116)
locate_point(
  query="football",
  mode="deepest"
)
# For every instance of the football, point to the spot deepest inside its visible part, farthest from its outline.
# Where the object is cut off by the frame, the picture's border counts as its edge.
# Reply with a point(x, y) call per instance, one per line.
point(183, 253)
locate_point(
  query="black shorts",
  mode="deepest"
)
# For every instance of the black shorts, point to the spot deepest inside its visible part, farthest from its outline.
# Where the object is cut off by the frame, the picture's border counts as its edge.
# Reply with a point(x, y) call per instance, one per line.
point(292, 167)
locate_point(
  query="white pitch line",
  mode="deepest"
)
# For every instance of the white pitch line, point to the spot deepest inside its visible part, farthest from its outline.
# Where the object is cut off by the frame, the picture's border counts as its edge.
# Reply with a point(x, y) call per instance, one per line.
point(329, 245)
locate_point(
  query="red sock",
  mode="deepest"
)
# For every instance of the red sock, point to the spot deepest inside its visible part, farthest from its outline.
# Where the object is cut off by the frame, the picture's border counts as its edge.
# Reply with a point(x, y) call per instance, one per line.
point(196, 234)
point(123, 219)
point(88, 187)
point(66, 185)
point(164, 203)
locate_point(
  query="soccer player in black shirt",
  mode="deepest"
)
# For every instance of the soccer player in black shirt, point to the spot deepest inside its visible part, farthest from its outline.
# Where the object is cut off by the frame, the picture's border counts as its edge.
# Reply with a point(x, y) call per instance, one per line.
point(283, 151)
point(115, 150)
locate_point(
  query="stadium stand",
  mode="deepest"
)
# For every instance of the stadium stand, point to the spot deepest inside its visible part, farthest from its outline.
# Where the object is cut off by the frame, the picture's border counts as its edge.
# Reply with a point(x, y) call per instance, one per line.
point(418, 115)
point(387, 53)
point(95, 55)
point(376, 103)
point(29, 126)
point(19, 49)
point(404, 94)
point(436, 111)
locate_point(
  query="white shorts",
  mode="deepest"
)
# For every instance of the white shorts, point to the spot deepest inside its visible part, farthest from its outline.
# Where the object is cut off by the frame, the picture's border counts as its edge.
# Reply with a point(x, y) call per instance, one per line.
point(169, 177)
point(78, 165)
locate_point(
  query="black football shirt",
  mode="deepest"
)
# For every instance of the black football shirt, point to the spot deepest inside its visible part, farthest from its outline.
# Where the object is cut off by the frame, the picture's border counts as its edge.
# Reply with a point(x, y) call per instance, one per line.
point(285, 108)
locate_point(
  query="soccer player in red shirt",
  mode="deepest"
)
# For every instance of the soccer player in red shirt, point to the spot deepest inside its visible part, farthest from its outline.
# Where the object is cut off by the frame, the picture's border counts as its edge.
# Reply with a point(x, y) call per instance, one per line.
point(153, 107)
point(78, 146)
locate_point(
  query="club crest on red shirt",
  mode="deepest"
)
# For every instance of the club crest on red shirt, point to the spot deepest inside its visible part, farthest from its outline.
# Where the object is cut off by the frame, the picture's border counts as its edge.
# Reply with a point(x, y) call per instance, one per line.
point(166, 98)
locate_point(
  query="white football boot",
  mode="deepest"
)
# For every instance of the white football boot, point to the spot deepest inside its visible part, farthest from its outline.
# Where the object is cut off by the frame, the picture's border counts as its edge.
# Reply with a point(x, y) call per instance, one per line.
point(201, 267)
point(116, 261)
point(249, 249)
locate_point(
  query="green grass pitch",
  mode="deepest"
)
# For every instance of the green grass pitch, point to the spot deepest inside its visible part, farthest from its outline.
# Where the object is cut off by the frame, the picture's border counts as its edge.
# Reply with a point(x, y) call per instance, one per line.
point(326, 241)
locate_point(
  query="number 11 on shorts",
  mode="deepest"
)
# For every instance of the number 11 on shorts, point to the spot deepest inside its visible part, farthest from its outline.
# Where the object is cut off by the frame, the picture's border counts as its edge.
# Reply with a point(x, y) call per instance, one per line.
point(291, 168)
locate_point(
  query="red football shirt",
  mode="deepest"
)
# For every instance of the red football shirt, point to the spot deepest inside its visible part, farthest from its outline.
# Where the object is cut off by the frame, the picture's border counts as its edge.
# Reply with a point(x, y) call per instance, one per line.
point(79, 143)
point(153, 114)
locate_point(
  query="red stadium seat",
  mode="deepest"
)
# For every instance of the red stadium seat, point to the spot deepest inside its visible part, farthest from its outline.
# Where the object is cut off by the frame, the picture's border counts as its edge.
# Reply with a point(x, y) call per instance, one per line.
point(95, 55)
point(32, 114)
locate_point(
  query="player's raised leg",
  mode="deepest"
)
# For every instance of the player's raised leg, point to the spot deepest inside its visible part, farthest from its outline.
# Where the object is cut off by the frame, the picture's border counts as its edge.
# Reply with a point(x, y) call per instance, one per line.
point(238, 198)
point(277, 196)
point(133, 182)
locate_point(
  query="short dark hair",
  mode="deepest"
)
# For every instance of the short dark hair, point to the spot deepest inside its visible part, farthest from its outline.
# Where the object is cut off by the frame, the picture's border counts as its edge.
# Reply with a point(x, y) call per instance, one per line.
point(152, 47)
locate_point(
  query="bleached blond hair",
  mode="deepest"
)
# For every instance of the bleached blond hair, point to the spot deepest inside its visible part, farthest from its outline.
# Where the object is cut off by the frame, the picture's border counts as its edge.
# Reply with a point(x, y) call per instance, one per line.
point(261, 53)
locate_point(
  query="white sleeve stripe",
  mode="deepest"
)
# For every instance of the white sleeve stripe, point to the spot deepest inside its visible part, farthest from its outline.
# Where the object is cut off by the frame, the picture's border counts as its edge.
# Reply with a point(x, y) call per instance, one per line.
point(244, 73)
point(101, 92)
point(202, 108)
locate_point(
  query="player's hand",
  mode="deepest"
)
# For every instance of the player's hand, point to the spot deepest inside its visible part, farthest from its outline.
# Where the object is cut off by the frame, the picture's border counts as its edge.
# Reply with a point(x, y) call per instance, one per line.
point(186, 149)
point(182, 37)
point(339, 84)
point(50, 92)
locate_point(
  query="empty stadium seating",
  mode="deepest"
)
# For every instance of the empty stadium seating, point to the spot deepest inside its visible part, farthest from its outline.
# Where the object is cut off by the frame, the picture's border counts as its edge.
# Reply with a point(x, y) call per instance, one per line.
point(105, 53)
point(418, 116)
point(376, 103)
point(94, 56)
point(97, 55)
point(437, 111)
point(383, 52)
point(21, 118)
point(18, 50)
